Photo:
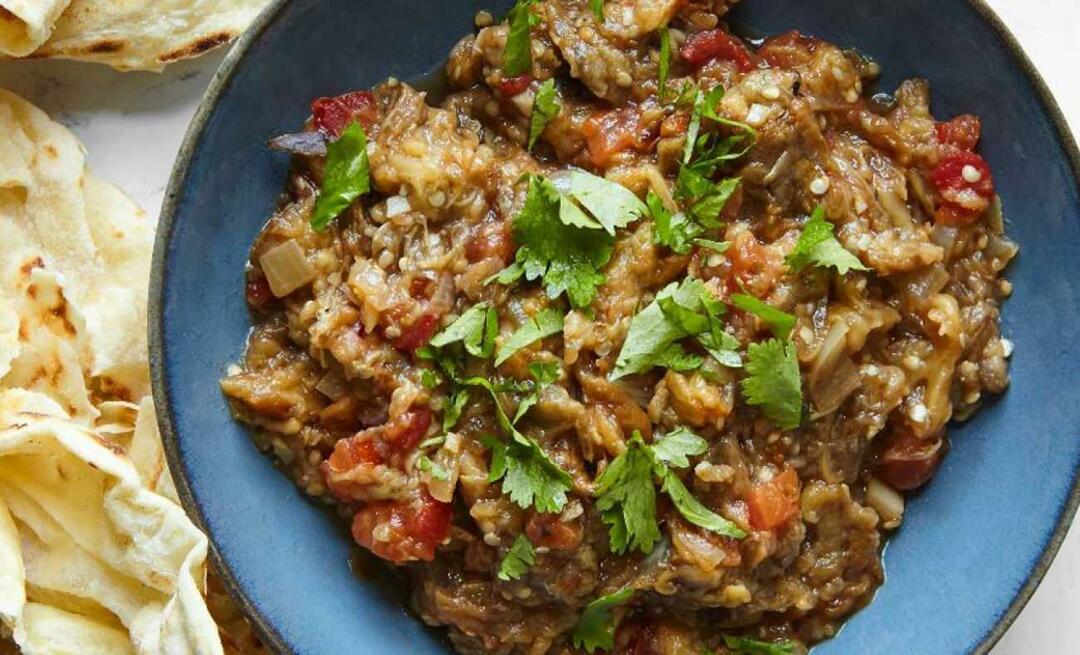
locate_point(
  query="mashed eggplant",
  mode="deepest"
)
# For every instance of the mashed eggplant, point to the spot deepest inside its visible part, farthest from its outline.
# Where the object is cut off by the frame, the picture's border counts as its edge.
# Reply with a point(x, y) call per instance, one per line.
point(638, 338)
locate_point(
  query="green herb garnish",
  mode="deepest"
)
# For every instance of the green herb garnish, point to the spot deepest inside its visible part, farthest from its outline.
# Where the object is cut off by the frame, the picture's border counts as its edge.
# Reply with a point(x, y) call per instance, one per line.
point(544, 324)
point(518, 559)
point(817, 245)
point(517, 58)
point(475, 329)
point(596, 626)
point(747, 646)
point(773, 382)
point(779, 321)
point(626, 496)
point(347, 176)
point(546, 106)
point(597, 7)
point(663, 67)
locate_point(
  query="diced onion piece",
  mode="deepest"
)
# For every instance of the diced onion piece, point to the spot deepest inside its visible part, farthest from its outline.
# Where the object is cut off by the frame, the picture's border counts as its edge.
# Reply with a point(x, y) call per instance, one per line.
point(396, 206)
point(286, 268)
point(332, 386)
point(887, 501)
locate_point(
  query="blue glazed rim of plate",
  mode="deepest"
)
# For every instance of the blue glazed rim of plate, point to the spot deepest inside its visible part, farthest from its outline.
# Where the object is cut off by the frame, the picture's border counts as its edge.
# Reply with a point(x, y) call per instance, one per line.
point(221, 82)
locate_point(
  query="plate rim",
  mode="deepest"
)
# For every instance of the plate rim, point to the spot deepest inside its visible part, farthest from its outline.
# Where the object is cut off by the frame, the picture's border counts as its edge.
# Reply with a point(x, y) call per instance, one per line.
point(221, 81)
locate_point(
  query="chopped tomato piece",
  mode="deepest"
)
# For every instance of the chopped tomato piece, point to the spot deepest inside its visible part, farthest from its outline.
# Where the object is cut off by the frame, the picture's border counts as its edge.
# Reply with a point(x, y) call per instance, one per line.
point(408, 429)
point(774, 503)
point(350, 467)
point(403, 530)
point(492, 238)
point(512, 86)
point(608, 133)
point(965, 183)
point(716, 44)
point(333, 115)
point(419, 333)
point(550, 531)
point(788, 50)
point(349, 470)
point(962, 132)
point(908, 461)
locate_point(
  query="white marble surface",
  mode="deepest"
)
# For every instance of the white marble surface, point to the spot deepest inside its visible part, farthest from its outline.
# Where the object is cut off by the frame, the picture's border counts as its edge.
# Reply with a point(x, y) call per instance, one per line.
point(132, 125)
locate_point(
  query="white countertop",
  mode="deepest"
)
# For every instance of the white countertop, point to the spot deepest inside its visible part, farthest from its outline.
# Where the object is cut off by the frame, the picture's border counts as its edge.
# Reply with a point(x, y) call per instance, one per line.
point(132, 125)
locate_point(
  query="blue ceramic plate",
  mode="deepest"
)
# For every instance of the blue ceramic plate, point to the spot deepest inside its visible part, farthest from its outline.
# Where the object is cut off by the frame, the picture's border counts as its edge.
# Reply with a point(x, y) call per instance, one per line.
point(973, 546)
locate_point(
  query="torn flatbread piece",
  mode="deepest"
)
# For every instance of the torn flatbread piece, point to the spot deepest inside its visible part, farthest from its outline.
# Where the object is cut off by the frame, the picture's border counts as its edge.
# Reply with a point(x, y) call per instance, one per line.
point(128, 35)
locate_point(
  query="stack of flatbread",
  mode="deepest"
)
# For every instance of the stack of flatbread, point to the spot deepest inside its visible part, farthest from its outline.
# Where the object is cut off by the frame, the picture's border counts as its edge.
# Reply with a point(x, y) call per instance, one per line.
point(96, 554)
point(125, 34)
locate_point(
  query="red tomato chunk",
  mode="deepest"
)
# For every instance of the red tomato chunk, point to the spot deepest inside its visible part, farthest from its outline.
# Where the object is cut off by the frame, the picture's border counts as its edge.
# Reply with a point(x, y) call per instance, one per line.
point(512, 86)
point(774, 503)
point(333, 115)
point(716, 44)
point(403, 530)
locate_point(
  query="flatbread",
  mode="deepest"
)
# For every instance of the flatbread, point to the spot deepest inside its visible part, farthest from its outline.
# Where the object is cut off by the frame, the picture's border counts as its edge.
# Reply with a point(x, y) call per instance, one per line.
point(26, 24)
point(96, 554)
point(125, 34)
point(56, 214)
point(88, 551)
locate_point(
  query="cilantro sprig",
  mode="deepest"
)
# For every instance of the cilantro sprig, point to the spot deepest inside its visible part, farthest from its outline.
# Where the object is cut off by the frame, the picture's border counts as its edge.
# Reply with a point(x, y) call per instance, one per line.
point(545, 324)
point(565, 233)
point(779, 321)
point(680, 310)
point(747, 646)
point(546, 107)
point(597, 7)
point(663, 67)
point(518, 559)
point(596, 625)
point(818, 245)
point(517, 58)
point(626, 496)
point(475, 329)
point(346, 178)
point(773, 382)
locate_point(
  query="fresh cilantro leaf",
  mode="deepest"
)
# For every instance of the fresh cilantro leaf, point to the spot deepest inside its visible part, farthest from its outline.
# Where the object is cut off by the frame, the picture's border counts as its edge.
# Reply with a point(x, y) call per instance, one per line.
point(674, 447)
point(544, 324)
point(476, 329)
point(517, 58)
point(693, 511)
point(716, 246)
point(429, 379)
point(597, 7)
point(431, 441)
point(528, 475)
point(568, 258)
point(818, 245)
point(694, 127)
point(675, 358)
point(704, 200)
point(455, 404)
point(546, 106)
point(596, 626)
point(675, 231)
point(663, 67)
point(779, 321)
point(611, 204)
point(544, 374)
point(431, 468)
point(747, 646)
point(347, 176)
point(508, 275)
point(688, 318)
point(518, 559)
point(773, 382)
point(651, 339)
point(626, 498)
point(722, 346)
